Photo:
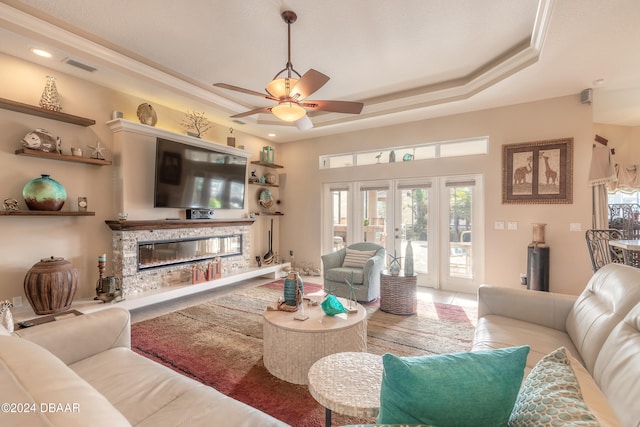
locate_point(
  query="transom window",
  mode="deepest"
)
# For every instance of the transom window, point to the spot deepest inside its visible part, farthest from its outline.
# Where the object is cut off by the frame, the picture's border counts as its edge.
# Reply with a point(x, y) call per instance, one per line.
point(434, 150)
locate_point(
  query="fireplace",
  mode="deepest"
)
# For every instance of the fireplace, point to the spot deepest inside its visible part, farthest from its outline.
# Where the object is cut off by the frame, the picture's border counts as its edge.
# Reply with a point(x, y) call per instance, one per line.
point(149, 255)
point(156, 254)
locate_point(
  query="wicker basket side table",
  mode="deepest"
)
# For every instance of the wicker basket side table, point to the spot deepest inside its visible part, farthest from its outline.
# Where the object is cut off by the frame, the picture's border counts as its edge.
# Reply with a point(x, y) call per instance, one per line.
point(398, 293)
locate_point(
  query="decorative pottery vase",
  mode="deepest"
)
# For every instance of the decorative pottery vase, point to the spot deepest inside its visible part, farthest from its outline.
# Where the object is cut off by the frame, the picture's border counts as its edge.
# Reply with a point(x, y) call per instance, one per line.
point(408, 260)
point(293, 287)
point(44, 194)
point(50, 100)
point(538, 233)
point(50, 285)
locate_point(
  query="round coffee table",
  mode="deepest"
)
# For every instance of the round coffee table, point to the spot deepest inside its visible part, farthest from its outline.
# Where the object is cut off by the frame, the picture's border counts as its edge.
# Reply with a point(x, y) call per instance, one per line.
point(292, 346)
point(347, 383)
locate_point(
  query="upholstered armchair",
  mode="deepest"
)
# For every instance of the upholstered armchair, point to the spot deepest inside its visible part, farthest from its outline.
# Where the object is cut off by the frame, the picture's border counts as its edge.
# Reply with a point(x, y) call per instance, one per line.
point(360, 263)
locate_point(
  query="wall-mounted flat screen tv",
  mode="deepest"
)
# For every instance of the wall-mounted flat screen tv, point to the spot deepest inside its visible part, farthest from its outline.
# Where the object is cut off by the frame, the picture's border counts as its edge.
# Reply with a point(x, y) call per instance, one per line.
point(189, 176)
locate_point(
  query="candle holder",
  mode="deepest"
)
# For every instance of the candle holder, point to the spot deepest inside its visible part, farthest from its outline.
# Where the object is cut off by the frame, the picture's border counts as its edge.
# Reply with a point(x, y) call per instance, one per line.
point(108, 289)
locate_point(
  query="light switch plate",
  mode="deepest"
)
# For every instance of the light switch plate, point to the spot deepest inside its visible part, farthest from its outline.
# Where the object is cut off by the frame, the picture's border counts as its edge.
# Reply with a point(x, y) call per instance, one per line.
point(512, 225)
point(575, 226)
point(499, 225)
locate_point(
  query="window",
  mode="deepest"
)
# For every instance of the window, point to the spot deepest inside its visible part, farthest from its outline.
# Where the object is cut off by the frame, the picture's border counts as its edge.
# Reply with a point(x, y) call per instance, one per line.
point(465, 147)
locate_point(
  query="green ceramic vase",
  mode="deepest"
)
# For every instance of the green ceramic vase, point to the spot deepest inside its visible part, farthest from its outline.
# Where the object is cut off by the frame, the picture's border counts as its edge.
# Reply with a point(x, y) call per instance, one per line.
point(44, 194)
point(290, 292)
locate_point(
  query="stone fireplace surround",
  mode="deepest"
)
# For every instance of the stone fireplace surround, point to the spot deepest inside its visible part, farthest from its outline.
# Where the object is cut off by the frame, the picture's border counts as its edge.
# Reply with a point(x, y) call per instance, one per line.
point(128, 234)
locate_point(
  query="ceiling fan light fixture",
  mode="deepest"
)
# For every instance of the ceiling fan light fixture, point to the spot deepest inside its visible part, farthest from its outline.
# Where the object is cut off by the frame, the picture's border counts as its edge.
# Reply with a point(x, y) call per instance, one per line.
point(280, 88)
point(288, 111)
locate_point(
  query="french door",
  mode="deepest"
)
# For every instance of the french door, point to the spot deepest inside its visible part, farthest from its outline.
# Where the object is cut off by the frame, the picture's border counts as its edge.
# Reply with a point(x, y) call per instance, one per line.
point(437, 215)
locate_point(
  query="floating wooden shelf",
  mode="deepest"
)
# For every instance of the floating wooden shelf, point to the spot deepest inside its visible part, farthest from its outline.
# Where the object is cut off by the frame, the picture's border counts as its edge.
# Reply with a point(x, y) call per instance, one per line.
point(42, 112)
point(269, 165)
point(264, 184)
point(64, 157)
point(46, 213)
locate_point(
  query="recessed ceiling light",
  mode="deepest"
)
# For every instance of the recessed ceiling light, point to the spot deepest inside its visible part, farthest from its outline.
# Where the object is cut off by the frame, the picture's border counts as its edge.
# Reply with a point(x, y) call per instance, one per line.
point(272, 135)
point(41, 52)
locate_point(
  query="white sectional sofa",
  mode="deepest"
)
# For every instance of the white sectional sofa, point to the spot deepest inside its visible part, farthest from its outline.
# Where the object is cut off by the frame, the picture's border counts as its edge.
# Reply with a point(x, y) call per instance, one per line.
point(81, 372)
point(599, 328)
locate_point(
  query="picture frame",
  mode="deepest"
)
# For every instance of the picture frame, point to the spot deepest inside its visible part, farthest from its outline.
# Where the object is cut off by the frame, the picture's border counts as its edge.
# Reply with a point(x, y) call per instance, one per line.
point(539, 172)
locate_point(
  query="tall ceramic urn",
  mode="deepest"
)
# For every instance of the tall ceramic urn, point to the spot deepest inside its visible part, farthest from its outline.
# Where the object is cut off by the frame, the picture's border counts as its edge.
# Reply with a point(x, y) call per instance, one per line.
point(50, 285)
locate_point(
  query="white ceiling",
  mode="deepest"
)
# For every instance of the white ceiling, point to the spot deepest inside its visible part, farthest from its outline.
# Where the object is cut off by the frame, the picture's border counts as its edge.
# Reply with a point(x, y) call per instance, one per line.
point(406, 59)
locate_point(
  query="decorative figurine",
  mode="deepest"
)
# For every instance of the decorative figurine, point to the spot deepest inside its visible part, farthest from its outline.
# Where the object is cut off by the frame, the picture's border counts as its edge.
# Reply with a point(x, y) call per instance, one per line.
point(10, 205)
point(147, 115)
point(196, 122)
point(352, 301)
point(6, 318)
point(96, 150)
point(50, 99)
point(394, 265)
point(231, 140)
point(42, 140)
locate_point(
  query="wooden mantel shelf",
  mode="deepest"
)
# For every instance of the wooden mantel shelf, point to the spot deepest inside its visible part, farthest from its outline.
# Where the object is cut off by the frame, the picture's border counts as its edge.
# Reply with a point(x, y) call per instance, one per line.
point(160, 224)
point(48, 114)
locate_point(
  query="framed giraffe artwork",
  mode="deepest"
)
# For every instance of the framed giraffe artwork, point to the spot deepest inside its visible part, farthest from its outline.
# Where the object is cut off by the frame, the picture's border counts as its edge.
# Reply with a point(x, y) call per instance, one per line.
point(538, 172)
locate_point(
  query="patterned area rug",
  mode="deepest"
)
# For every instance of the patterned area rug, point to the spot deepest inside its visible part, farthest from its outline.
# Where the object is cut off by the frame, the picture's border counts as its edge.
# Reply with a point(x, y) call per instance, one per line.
point(219, 343)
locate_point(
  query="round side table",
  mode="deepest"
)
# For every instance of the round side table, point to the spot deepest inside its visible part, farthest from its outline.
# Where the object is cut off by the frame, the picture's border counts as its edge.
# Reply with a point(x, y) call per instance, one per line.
point(347, 383)
point(398, 294)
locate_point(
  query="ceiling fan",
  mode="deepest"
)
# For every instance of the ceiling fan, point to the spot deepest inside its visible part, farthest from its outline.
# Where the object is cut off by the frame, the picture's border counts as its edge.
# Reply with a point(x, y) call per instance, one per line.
point(290, 93)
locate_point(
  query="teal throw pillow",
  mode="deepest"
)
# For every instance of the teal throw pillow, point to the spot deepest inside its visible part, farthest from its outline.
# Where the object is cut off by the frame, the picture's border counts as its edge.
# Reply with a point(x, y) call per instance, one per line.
point(458, 389)
point(551, 396)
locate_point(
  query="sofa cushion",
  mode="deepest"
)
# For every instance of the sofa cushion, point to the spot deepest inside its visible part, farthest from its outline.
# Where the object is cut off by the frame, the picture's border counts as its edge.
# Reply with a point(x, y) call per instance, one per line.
point(340, 274)
point(357, 259)
point(551, 396)
point(474, 389)
point(494, 331)
point(617, 368)
point(610, 294)
point(149, 394)
point(53, 394)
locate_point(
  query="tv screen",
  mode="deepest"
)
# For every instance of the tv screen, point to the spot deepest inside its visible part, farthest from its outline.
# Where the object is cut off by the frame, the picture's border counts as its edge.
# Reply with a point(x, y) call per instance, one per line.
point(189, 176)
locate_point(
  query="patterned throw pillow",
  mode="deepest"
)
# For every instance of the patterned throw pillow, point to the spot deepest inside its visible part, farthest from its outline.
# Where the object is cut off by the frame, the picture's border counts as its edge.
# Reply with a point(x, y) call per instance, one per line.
point(358, 259)
point(551, 396)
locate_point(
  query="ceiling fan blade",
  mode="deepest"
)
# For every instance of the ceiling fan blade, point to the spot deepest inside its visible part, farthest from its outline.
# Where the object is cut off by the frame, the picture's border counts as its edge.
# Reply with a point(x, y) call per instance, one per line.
point(310, 82)
point(304, 123)
point(256, 111)
point(334, 106)
point(243, 90)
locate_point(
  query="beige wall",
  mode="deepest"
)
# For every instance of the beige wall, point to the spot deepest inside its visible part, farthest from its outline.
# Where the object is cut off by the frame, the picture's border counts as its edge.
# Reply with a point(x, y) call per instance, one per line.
point(624, 139)
point(28, 239)
point(505, 251)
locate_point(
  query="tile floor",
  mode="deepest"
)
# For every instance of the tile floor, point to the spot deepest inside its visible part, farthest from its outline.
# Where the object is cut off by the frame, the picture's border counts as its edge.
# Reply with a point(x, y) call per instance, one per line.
point(148, 312)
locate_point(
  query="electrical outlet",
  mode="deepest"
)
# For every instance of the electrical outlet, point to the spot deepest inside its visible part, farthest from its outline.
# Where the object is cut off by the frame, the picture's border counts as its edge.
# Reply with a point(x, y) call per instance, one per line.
point(17, 302)
point(499, 225)
point(575, 226)
point(512, 225)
